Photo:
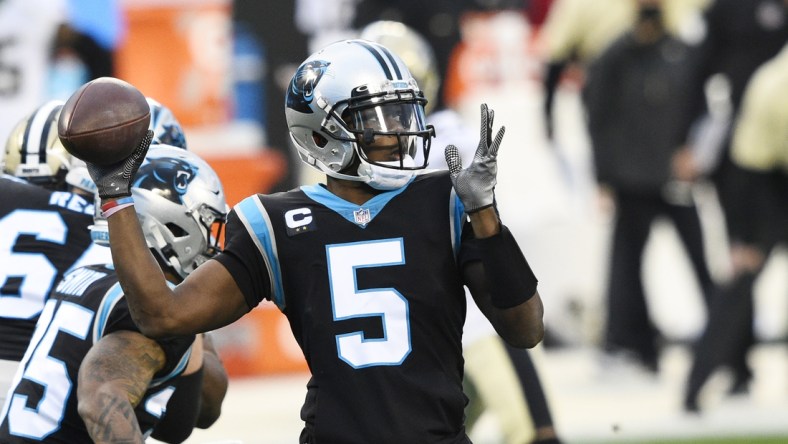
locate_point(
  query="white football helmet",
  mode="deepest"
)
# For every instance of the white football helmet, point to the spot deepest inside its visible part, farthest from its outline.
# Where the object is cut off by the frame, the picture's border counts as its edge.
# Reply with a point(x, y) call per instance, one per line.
point(413, 49)
point(343, 96)
point(33, 150)
point(180, 203)
point(166, 128)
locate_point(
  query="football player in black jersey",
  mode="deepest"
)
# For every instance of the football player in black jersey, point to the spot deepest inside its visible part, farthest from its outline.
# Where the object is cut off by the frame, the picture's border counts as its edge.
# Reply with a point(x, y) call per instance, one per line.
point(499, 380)
point(369, 268)
point(43, 228)
point(44, 220)
point(45, 209)
point(88, 375)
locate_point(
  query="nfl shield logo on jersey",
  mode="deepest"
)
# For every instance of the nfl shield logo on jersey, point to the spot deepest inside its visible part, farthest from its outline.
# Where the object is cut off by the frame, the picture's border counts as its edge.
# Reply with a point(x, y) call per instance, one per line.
point(362, 216)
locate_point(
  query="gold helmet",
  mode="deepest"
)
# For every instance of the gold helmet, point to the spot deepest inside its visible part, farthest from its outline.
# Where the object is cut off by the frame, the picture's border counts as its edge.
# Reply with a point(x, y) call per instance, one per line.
point(413, 49)
point(33, 150)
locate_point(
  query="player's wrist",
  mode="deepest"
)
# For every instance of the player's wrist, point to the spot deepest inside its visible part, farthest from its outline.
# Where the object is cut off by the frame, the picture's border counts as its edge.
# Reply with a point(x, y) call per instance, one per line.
point(485, 222)
point(111, 206)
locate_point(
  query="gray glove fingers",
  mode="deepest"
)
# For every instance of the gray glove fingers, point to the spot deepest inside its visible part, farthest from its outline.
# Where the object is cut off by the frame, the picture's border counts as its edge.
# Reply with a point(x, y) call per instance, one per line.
point(453, 160)
point(115, 180)
point(135, 159)
point(497, 143)
point(490, 119)
point(484, 128)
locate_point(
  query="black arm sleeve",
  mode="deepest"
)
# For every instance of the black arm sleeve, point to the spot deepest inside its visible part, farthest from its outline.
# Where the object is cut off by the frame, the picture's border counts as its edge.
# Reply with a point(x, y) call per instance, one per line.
point(509, 278)
point(182, 409)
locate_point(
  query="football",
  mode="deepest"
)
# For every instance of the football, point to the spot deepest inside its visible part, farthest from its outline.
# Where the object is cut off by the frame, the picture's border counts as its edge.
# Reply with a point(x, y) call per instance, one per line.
point(103, 121)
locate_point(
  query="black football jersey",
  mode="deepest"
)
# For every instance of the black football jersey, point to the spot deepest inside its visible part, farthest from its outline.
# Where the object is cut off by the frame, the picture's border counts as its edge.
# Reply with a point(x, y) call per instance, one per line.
point(375, 299)
point(43, 234)
point(42, 404)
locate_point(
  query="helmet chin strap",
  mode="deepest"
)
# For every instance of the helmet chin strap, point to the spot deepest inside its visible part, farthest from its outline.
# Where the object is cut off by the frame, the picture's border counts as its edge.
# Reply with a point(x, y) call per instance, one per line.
point(385, 179)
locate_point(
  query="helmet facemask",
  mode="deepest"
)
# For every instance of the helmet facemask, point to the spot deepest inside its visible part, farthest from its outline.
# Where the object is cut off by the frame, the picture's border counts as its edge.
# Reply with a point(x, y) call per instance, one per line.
point(390, 123)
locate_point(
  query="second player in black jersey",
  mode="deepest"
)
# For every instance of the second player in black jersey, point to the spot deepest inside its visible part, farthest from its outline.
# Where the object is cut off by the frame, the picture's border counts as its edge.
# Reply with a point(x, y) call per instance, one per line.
point(86, 307)
point(88, 374)
point(43, 234)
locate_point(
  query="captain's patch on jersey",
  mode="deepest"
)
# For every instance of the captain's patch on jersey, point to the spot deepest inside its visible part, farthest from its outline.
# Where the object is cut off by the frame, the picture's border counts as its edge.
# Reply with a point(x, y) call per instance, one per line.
point(299, 221)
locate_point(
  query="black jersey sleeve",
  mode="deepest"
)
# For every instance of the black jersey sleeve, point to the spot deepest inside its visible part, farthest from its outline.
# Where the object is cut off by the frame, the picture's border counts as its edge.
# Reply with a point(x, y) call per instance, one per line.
point(469, 247)
point(244, 262)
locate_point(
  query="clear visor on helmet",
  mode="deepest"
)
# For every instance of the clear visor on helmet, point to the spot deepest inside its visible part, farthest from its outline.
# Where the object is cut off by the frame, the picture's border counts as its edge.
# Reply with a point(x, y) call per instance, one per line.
point(391, 118)
point(378, 121)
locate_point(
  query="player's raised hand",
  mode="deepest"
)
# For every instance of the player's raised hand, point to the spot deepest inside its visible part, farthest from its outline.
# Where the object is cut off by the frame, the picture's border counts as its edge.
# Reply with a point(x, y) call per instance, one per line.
point(476, 184)
point(105, 124)
point(115, 180)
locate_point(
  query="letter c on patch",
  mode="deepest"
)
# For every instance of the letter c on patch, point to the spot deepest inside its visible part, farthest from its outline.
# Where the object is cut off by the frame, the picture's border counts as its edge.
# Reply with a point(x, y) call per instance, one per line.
point(298, 217)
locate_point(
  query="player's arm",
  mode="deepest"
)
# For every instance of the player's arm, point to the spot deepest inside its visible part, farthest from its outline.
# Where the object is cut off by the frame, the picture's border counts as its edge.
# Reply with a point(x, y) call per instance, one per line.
point(214, 387)
point(208, 299)
point(197, 400)
point(183, 406)
point(113, 377)
point(501, 281)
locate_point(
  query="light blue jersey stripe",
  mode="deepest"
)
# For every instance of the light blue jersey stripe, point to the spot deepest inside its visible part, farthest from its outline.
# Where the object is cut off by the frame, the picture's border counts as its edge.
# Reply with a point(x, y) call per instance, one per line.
point(176, 371)
point(347, 209)
point(108, 302)
point(258, 225)
point(456, 219)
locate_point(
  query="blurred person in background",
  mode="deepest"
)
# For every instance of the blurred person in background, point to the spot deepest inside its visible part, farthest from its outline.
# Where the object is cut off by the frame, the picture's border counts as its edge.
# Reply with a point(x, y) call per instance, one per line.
point(634, 96)
point(577, 31)
point(28, 30)
point(739, 37)
point(114, 384)
point(759, 149)
point(379, 311)
point(95, 30)
point(284, 47)
point(46, 207)
point(499, 379)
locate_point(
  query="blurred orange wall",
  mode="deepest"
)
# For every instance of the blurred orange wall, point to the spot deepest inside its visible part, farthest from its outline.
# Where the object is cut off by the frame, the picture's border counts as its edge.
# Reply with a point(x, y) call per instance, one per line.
point(180, 53)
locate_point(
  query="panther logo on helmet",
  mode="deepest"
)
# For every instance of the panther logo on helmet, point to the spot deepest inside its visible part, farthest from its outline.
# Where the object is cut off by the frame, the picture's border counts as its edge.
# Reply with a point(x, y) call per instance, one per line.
point(168, 177)
point(302, 88)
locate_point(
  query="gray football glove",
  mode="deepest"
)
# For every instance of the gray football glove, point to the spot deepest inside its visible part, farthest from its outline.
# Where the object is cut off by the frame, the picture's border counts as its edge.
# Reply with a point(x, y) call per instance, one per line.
point(476, 184)
point(115, 180)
